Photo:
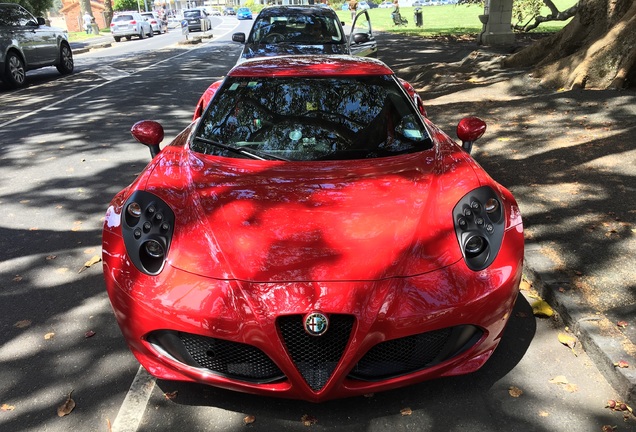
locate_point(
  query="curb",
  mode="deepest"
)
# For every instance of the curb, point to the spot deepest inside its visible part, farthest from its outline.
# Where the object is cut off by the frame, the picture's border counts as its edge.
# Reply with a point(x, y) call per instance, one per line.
point(91, 48)
point(601, 339)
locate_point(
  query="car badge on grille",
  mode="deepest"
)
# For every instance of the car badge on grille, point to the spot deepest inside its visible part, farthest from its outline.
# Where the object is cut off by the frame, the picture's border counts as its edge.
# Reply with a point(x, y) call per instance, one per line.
point(316, 324)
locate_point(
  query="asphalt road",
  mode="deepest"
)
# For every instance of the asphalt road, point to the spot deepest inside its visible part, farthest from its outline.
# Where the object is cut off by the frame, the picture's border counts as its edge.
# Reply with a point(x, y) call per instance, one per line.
point(65, 150)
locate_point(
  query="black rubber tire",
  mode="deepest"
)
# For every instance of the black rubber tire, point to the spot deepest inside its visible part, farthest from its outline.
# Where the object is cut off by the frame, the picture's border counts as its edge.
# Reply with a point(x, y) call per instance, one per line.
point(142, 35)
point(66, 64)
point(14, 70)
point(117, 38)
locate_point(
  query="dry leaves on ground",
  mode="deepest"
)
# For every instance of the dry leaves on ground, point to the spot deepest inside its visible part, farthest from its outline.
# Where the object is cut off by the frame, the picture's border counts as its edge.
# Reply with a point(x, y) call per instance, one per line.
point(308, 420)
point(515, 392)
point(568, 340)
point(67, 406)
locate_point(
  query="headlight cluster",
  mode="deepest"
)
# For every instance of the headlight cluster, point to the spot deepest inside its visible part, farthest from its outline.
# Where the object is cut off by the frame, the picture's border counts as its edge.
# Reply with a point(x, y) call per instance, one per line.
point(479, 225)
point(147, 229)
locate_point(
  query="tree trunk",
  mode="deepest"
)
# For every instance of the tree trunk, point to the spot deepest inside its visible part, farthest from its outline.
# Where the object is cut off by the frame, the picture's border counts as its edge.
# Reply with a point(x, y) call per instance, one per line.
point(597, 49)
point(85, 6)
point(108, 12)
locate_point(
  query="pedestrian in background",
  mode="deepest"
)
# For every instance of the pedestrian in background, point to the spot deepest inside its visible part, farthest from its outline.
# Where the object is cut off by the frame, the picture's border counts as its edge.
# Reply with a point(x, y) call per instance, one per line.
point(353, 7)
point(87, 22)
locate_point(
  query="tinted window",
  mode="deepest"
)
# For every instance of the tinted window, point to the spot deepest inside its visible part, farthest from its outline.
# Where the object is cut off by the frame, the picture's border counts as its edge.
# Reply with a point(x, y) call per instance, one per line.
point(13, 16)
point(119, 18)
point(302, 29)
point(192, 14)
point(312, 119)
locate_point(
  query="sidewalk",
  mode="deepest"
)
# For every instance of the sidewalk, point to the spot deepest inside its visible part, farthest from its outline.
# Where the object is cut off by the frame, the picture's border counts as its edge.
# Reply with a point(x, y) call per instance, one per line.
point(569, 157)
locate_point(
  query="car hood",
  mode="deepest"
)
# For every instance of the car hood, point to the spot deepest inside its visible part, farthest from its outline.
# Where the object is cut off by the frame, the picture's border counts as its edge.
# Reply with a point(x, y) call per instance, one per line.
point(267, 221)
point(270, 50)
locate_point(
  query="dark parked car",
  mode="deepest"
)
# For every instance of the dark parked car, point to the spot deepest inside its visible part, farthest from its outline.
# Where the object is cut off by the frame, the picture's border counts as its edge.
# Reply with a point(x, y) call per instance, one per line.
point(285, 30)
point(27, 43)
point(197, 20)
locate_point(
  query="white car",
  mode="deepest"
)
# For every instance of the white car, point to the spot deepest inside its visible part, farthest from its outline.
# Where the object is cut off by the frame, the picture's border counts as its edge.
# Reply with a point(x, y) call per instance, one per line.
point(363, 5)
point(386, 5)
point(158, 25)
point(129, 24)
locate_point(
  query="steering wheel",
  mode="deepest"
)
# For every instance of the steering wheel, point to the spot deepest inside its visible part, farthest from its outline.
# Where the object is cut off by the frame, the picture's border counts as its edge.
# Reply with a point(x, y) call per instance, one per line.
point(273, 38)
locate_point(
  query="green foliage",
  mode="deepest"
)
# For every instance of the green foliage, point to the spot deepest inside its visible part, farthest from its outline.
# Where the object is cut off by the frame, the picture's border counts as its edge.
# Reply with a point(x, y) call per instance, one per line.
point(125, 5)
point(36, 7)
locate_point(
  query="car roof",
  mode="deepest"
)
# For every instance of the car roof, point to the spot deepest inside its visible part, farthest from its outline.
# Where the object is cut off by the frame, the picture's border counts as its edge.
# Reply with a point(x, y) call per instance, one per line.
point(295, 10)
point(309, 66)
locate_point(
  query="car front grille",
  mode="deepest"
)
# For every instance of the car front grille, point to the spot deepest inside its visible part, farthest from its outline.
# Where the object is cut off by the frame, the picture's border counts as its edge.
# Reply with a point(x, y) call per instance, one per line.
point(230, 359)
point(316, 357)
point(412, 353)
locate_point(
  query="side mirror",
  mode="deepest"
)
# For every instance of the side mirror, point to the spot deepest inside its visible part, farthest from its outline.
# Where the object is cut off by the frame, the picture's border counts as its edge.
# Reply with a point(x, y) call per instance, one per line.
point(360, 37)
point(150, 133)
point(238, 37)
point(41, 21)
point(469, 130)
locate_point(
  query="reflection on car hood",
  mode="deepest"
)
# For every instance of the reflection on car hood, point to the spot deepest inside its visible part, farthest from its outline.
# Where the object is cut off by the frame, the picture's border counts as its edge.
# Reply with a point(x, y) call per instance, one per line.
point(270, 50)
point(268, 221)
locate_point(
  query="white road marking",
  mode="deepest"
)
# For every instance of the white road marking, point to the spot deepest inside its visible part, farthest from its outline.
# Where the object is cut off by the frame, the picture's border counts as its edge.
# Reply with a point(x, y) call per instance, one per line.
point(134, 406)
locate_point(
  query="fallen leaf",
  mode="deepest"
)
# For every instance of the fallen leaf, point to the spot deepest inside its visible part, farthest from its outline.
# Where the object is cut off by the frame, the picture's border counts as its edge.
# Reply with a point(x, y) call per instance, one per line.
point(515, 392)
point(308, 420)
point(622, 324)
point(51, 257)
point(17, 278)
point(171, 395)
point(621, 364)
point(560, 379)
point(90, 262)
point(524, 285)
point(608, 428)
point(571, 388)
point(89, 333)
point(406, 411)
point(249, 419)
point(22, 324)
point(67, 406)
point(6, 407)
point(49, 336)
point(542, 309)
point(568, 340)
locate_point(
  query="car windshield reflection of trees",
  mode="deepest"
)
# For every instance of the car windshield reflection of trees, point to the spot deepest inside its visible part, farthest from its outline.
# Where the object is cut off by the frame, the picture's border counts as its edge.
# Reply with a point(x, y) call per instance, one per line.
point(303, 29)
point(304, 119)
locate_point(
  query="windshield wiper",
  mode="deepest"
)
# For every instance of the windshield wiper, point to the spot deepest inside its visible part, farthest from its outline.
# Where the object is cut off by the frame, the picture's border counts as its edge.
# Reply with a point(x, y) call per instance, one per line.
point(254, 154)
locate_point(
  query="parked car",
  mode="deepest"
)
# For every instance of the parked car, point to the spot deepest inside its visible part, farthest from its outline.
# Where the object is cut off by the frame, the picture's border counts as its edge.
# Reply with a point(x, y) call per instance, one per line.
point(229, 11)
point(158, 25)
point(312, 236)
point(197, 20)
point(386, 5)
point(281, 30)
point(27, 43)
point(363, 5)
point(244, 13)
point(129, 24)
point(215, 12)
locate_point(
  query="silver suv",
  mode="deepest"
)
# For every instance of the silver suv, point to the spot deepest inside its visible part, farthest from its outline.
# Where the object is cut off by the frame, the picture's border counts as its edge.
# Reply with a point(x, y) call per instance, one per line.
point(27, 43)
point(129, 24)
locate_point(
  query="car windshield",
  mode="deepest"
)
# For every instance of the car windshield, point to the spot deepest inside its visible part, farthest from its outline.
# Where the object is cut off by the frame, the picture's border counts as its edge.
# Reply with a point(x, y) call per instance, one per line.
point(123, 18)
point(300, 29)
point(310, 119)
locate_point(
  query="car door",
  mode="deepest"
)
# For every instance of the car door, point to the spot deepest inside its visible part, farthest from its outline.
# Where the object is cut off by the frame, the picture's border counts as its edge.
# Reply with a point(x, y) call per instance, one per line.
point(361, 40)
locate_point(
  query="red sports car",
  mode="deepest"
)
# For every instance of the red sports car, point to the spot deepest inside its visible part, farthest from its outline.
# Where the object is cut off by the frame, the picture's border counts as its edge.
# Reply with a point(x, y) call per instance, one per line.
point(314, 236)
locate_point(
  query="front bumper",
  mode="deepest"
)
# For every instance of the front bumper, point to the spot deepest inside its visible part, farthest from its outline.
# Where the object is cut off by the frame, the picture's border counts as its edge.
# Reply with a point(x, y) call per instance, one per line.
point(246, 336)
